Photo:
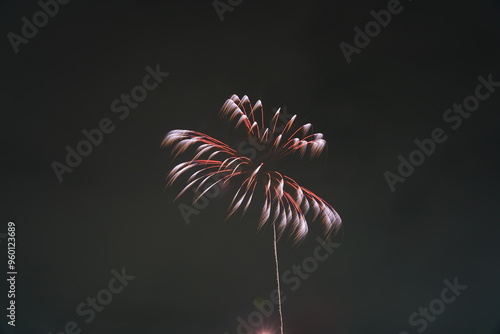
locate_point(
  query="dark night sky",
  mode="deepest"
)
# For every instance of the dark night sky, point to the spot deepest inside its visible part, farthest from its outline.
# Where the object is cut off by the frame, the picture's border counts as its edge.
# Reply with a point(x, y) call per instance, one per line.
point(112, 211)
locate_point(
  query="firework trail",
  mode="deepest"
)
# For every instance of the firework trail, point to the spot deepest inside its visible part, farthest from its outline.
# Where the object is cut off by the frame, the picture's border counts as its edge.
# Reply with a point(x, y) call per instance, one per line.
point(287, 206)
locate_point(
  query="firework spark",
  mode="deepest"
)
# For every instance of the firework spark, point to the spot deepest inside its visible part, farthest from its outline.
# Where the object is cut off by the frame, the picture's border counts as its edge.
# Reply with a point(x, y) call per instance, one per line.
point(286, 204)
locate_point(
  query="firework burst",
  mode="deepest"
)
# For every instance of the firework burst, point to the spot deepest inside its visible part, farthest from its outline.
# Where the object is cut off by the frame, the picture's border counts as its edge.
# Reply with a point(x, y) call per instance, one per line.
point(287, 205)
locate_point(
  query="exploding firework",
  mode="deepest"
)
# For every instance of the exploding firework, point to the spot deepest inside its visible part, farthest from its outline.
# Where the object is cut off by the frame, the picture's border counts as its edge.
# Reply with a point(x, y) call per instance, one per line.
point(286, 205)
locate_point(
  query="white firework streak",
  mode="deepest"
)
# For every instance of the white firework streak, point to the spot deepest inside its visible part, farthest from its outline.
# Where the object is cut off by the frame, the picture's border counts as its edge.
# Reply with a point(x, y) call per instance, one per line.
point(286, 204)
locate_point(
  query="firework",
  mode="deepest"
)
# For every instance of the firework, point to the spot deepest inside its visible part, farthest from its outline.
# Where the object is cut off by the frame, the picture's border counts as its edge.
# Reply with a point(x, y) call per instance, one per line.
point(287, 205)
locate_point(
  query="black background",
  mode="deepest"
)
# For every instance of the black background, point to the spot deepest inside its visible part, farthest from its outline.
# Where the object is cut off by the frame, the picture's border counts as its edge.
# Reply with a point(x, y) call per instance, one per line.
point(112, 211)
